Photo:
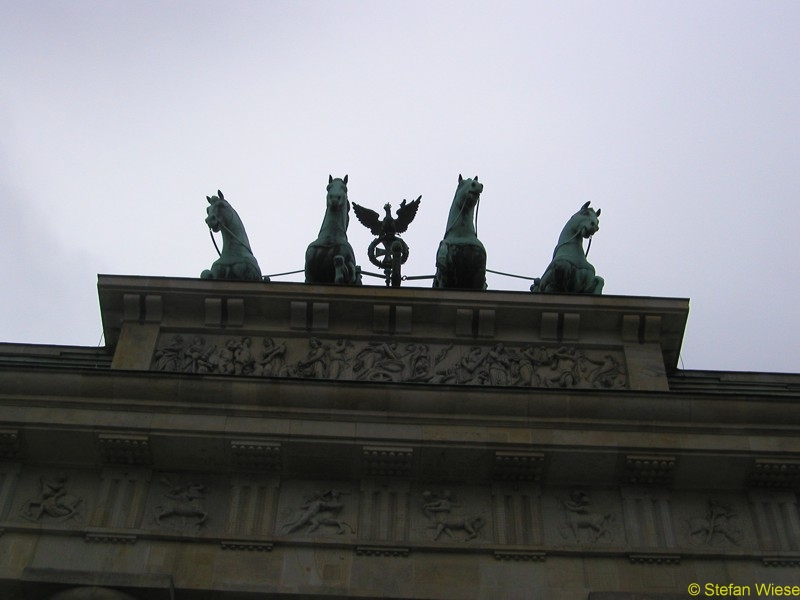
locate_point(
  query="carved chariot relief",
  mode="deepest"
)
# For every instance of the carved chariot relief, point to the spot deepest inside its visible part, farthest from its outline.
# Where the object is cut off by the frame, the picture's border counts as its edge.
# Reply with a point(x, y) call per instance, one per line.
point(446, 516)
point(399, 362)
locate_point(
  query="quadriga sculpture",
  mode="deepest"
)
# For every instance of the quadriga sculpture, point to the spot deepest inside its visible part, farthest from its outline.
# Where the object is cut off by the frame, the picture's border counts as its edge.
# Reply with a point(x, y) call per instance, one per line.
point(569, 271)
point(461, 258)
point(236, 261)
point(330, 258)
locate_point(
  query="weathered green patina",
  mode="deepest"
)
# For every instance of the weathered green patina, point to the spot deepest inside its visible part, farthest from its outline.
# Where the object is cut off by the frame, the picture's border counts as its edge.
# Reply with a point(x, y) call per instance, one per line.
point(461, 258)
point(236, 261)
point(569, 271)
point(330, 258)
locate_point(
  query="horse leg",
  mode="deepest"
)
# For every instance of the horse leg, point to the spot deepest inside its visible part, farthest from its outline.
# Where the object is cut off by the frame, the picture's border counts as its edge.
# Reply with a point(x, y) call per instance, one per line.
point(599, 282)
point(340, 270)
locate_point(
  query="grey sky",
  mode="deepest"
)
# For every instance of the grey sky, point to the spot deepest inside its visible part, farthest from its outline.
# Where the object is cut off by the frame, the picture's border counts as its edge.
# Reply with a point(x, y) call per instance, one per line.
point(681, 120)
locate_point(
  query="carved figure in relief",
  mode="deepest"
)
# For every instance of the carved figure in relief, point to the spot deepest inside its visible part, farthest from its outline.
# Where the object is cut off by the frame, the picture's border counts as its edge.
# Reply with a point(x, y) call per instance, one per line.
point(243, 360)
point(316, 361)
point(468, 370)
point(379, 361)
point(170, 356)
point(339, 359)
point(499, 365)
point(438, 509)
point(321, 508)
point(183, 501)
point(197, 358)
point(578, 518)
point(52, 501)
point(226, 357)
point(271, 362)
point(608, 373)
point(716, 526)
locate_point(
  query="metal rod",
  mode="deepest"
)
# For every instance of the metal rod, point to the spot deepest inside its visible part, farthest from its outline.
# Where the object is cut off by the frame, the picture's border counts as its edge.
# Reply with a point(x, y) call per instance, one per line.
point(510, 275)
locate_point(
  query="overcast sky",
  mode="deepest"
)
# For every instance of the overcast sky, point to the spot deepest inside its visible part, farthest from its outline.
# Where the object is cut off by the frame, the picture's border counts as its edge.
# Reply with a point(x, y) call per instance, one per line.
point(681, 120)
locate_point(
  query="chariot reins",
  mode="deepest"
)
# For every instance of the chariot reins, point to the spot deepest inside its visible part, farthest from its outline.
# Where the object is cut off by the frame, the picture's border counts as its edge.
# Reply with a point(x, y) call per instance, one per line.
point(233, 235)
point(574, 235)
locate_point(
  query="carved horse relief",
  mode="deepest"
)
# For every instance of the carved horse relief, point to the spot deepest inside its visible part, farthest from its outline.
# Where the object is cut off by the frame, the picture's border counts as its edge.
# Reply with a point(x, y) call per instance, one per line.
point(183, 501)
point(461, 258)
point(569, 271)
point(330, 258)
point(236, 261)
point(578, 518)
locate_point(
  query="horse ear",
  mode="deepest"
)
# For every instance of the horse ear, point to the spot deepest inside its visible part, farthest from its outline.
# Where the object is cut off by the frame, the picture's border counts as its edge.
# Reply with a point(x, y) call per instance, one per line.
point(210, 201)
point(330, 178)
point(345, 179)
point(460, 178)
point(598, 212)
point(586, 205)
point(219, 193)
point(476, 178)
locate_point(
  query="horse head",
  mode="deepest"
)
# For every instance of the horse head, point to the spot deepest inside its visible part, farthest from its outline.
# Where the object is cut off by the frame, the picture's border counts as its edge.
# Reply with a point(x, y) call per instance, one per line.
point(462, 210)
point(468, 192)
point(337, 193)
point(219, 212)
point(585, 222)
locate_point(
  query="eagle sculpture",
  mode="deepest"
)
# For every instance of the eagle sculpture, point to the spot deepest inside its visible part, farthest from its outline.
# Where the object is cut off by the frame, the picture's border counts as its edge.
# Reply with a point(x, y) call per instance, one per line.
point(388, 227)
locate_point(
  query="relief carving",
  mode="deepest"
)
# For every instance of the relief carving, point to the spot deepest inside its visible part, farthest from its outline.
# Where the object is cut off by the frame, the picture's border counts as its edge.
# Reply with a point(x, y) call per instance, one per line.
point(320, 508)
point(53, 501)
point(583, 524)
point(497, 365)
point(438, 508)
point(717, 526)
point(183, 502)
point(271, 363)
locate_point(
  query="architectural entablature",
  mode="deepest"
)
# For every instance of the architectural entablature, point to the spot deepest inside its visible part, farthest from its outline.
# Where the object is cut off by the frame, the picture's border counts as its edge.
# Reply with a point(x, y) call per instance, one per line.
point(391, 334)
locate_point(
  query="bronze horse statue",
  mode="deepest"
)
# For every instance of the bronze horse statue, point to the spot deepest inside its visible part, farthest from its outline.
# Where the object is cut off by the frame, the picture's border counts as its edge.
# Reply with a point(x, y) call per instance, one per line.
point(330, 258)
point(461, 258)
point(236, 261)
point(569, 271)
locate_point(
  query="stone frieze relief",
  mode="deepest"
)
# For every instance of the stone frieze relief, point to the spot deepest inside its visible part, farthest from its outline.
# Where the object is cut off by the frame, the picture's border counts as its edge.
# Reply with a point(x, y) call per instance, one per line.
point(182, 505)
point(341, 359)
point(445, 516)
point(53, 502)
point(319, 509)
point(583, 523)
point(717, 526)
